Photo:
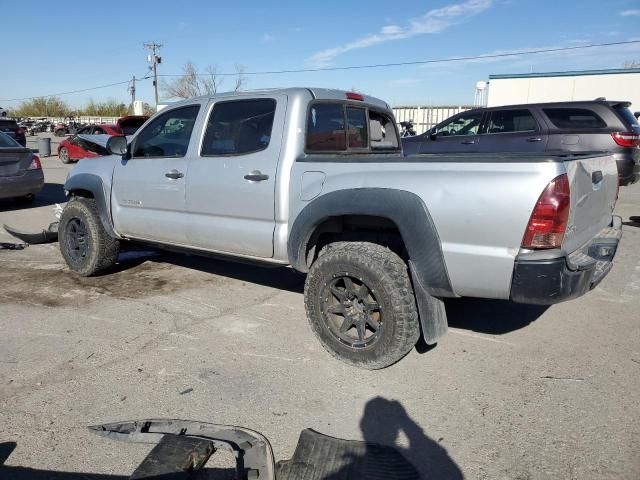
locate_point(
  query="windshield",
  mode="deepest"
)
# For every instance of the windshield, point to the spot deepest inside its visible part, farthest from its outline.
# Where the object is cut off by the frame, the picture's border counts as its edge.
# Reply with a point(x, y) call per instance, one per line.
point(627, 116)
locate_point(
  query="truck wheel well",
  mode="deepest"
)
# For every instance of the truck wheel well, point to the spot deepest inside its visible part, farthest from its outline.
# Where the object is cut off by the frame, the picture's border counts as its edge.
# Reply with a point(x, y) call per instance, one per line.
point(355, 228)
point(81, 193)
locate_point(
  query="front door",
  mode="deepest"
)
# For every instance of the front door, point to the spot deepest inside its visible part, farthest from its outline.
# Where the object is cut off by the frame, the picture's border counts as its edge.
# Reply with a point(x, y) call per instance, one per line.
point(232, 179)
point(149, 188)
point(458, 134)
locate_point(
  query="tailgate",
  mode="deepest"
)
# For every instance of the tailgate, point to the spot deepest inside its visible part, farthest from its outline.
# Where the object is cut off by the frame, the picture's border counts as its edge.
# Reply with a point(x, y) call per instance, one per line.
point(14, 161)
point(593, 182)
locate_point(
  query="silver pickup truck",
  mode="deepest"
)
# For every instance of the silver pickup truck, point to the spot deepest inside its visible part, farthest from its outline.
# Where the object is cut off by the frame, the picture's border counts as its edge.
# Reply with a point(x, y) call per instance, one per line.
point(315, 179)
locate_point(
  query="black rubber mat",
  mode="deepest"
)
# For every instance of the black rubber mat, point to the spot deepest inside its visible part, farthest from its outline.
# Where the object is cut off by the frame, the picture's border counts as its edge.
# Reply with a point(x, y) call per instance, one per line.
point(320, 457)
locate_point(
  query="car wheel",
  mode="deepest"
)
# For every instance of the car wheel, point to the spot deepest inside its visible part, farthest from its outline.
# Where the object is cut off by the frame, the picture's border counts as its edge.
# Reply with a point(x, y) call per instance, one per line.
point(361, 305)
point(84, 243)
point(63, 153)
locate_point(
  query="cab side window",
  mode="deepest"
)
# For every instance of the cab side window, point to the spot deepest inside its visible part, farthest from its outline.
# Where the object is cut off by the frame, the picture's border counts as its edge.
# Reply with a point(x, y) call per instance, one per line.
point(239, 127)
point(506, 121)
point(168, 135)
point(465, 124)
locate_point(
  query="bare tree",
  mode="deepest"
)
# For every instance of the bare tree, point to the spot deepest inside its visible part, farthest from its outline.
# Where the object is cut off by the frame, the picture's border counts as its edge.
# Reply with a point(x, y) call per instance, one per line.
point(194, 84)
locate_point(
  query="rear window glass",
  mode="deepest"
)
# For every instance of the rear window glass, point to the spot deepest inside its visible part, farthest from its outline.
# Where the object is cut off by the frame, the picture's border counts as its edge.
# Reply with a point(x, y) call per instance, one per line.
point(505, 121)
point(8, 125)
point(627, 115)
point(382, 132)
point(7, 141)
point(357, 128)
point(326, 128)
point(239, 127)
point(572, 118)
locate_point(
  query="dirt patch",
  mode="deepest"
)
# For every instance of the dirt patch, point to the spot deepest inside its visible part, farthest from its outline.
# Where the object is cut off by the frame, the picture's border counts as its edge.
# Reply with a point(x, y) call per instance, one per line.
point(53, 285)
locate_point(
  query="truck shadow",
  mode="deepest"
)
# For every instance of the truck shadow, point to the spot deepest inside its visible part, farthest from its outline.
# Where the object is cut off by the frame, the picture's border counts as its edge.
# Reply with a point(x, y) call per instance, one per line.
point(495, 317)
point(270, 276)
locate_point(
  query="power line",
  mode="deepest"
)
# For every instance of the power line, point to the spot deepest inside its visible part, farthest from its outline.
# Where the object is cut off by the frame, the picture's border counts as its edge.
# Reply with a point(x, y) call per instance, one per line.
point(417, 62)
point(351, 67)
point(70, 92)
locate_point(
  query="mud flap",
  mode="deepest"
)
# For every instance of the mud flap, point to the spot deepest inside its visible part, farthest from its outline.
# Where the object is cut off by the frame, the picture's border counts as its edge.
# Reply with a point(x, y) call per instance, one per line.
point(319, 456)
point(45, 236)
point(432, 312)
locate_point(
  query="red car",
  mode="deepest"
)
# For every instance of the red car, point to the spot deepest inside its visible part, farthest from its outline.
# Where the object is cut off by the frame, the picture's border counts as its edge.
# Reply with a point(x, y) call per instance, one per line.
point(80, 146)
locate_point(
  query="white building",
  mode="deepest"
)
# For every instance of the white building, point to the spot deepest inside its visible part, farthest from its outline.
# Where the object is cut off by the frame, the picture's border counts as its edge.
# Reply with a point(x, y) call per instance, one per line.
point(618, 84)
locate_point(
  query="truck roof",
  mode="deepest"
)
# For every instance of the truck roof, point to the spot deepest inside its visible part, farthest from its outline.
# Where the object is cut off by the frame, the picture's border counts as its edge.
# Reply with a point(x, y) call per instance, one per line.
point(316, 93)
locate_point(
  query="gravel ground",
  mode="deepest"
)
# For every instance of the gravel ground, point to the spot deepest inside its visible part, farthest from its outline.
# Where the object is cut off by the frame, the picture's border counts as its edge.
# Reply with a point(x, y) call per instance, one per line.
point(512, 392)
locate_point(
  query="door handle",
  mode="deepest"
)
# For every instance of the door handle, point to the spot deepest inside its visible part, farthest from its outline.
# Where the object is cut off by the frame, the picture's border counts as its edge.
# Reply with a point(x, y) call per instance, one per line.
point(534, 139)
point(174, 174)
point(256, 176)
point(468, 142)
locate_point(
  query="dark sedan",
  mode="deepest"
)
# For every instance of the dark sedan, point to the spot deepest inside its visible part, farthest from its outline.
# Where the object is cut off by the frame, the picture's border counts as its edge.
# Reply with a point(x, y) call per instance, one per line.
point(21, 174)
point(10, 127)
point(598, 125)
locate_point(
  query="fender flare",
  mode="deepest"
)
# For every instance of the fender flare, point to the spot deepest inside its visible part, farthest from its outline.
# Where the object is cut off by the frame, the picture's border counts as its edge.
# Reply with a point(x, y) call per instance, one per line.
point(419, 234)
point(95, 185)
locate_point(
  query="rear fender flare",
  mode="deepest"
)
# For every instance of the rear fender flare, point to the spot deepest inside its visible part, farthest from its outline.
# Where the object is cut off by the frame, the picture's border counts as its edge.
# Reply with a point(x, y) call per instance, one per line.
point(411, 216)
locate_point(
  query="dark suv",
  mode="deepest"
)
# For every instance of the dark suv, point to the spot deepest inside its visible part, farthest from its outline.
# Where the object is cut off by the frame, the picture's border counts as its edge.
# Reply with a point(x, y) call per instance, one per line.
point(11, 128)
point(540, 127)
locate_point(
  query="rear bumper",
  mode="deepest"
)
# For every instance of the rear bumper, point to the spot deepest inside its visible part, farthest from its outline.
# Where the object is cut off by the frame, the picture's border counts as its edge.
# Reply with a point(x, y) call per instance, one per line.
point(31, 182)
point(545, 282)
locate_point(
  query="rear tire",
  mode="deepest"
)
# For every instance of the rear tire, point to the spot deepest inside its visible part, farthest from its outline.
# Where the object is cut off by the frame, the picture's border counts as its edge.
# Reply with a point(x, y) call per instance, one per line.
point(361, 305)
point(84, 243)
point(64, 155)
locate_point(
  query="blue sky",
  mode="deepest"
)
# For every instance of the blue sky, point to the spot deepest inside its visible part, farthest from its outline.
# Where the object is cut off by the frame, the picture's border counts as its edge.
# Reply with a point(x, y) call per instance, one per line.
point(68, 46)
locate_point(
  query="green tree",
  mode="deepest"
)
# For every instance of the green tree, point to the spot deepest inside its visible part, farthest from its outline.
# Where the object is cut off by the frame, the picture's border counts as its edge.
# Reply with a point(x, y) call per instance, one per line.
point(109, 108)
point(42, 107)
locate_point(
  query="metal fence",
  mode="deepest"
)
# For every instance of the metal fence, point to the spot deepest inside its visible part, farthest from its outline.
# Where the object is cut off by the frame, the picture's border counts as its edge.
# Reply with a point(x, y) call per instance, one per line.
point(425, 117)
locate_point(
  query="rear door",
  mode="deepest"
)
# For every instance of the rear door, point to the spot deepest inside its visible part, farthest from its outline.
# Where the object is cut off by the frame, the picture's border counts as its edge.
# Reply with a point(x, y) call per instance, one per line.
point(512, 130)
point(593, 182)
point(148, 193)
point(232, 179)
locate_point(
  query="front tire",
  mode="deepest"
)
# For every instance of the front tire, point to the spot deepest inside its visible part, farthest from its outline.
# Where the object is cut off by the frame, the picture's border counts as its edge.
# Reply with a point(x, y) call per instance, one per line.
point(361, 305)
point(84, 243)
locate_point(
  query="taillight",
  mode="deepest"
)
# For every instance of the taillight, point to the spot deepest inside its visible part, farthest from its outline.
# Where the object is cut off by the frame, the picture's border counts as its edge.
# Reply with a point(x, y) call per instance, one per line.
point(626, 139)
point(548, 221)
point(35, 163)
point(355, 96)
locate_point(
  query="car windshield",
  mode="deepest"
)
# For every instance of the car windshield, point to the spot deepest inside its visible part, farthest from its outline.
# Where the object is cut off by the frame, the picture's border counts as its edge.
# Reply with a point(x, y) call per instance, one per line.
point(7, 142)
point(627, 115)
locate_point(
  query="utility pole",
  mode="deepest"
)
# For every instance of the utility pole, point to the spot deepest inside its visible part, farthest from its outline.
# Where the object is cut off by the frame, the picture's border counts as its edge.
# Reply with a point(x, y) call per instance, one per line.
point(154, 59)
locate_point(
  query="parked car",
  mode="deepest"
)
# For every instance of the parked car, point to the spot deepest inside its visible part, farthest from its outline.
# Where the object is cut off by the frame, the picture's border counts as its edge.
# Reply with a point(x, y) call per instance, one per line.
point(316, 179)
point(130, 124)
point(3, 112)
point(89, 142)
point(10, 127)
point(598, 125)
point(20, 170)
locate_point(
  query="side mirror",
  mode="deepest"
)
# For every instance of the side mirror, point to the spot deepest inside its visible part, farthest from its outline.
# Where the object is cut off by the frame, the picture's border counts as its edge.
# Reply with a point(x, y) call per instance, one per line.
point(117, 146)
point(433, 135)
point(637, 115)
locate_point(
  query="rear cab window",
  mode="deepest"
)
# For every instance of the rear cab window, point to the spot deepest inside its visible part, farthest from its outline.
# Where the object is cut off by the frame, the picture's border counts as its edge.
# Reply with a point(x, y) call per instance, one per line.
point(336, 127)
point(510, 121)
point(574, 118)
